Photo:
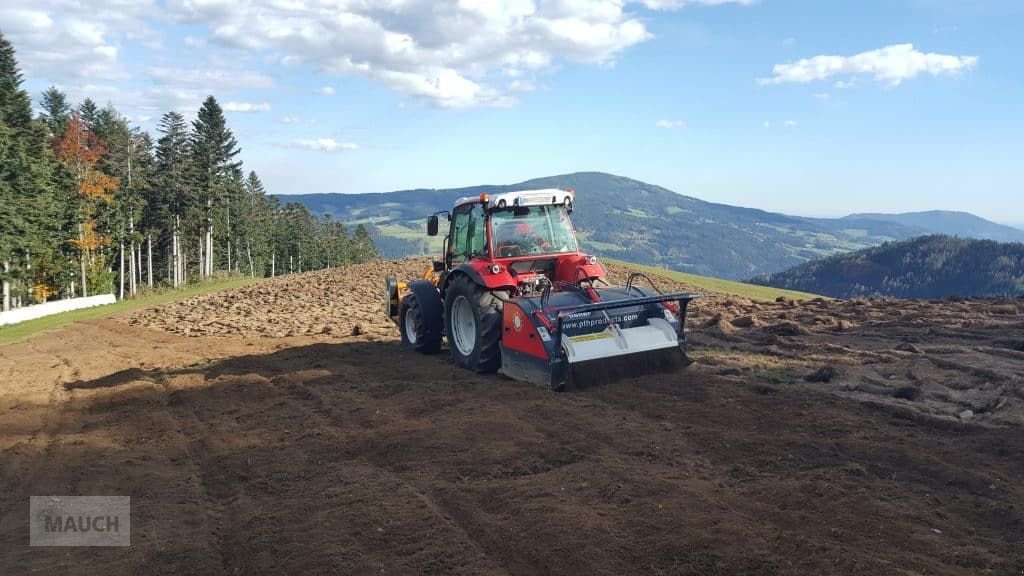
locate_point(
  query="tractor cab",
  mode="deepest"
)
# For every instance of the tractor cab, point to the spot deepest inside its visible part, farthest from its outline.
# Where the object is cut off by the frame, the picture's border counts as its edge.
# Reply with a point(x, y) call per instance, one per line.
point(524, 237)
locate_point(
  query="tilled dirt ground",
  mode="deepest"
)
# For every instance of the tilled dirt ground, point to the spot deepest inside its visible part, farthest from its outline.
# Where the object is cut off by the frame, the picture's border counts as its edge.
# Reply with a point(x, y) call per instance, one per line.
point(280, 429)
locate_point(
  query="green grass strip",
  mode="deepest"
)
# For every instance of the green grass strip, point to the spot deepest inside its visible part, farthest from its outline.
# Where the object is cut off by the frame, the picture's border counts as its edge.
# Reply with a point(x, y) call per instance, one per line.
point(24, 330)
point(750, 291)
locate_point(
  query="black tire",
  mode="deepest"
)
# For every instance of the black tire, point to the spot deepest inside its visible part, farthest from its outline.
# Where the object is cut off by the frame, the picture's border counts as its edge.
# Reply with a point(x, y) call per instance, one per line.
point(485, 356)
point(422, 340)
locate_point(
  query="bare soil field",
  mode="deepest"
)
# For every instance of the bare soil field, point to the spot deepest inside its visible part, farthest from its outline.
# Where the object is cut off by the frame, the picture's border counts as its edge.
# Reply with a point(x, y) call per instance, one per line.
point(279, 428)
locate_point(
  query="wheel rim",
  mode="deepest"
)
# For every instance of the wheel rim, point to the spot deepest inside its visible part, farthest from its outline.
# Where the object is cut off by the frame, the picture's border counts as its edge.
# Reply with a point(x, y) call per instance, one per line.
point(410, 326)
point(463, 326)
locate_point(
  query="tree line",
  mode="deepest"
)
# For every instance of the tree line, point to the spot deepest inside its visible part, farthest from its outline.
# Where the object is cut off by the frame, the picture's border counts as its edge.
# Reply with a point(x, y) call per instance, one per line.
point(90, 204)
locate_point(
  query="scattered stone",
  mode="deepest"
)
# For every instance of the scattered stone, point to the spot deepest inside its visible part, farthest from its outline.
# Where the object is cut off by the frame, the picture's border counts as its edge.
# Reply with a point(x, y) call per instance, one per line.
point(357, 330)
point(966, 415)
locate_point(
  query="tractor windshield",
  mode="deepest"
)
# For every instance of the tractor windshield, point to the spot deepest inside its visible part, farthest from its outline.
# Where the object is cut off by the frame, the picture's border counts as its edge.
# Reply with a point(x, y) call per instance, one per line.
point(529, 230)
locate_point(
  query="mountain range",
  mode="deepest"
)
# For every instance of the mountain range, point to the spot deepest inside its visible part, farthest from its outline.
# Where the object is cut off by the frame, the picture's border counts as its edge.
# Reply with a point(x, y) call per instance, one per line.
point(631, 220)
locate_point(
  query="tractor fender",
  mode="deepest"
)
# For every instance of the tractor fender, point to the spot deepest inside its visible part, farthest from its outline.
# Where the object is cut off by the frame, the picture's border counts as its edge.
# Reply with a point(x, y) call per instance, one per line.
point(480, 273)
point(567, 268)
point(431, 306)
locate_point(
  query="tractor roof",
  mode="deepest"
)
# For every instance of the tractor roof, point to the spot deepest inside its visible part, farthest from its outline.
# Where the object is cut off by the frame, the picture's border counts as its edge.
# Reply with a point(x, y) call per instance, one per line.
point(522, 198)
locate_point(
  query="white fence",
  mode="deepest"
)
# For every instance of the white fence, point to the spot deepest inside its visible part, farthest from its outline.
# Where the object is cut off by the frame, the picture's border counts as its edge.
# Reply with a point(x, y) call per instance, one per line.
point(55, 307)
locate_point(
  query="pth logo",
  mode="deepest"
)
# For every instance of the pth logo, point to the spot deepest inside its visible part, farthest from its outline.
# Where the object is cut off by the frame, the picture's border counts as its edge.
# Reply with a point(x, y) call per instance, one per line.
point(80, 521)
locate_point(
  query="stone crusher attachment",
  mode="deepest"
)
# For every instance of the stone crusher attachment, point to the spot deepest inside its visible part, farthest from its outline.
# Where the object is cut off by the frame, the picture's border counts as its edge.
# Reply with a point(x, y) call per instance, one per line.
point(513, 292)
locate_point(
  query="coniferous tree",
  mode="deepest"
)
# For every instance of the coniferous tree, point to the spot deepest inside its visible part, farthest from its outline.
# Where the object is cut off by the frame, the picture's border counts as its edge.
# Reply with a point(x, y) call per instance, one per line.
point(256, 217)
point(56, 111)
point(213, 149)
point(170, 197)
point(29, 222)
point(129, 159)
point(88, 111)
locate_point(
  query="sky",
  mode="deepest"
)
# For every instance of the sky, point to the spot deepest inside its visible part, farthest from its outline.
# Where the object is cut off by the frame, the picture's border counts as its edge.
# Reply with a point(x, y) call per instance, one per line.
point(815, 107)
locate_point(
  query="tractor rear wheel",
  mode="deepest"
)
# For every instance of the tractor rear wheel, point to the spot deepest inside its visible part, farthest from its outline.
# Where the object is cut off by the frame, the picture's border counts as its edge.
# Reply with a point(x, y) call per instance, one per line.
point(413, 326)
point(473, 318)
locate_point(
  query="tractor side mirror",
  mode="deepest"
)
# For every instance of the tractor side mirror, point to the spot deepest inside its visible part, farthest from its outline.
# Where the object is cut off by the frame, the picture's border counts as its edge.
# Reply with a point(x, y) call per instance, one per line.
point(432, 225)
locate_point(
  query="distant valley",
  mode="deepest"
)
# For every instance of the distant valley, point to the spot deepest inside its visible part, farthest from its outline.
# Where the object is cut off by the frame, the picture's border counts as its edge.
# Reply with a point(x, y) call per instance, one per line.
point(631, 220)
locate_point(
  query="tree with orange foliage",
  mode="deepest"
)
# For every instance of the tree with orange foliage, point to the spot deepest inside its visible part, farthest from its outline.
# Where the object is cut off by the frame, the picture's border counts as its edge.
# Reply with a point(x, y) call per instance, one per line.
point(80, 150)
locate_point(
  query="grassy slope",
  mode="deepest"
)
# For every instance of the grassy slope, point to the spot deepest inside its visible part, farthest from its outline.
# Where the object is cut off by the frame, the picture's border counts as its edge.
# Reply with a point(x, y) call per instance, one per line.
point(750, 291)
point(24, 330)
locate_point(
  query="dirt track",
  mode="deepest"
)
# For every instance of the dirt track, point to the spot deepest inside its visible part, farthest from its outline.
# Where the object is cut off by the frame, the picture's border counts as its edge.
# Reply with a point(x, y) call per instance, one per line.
point(334, 451)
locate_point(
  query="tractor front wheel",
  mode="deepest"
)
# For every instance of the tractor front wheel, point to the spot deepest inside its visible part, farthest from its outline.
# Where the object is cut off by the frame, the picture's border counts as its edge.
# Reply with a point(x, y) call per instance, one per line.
point(473, 318)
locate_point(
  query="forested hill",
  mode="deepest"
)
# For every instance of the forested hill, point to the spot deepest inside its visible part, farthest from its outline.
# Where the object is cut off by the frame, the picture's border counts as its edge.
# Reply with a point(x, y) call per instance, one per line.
point(925, 267)
point(631, 220)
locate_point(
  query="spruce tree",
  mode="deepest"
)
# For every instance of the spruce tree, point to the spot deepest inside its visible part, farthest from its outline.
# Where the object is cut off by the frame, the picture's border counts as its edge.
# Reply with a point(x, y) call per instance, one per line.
point(169, 197)
point(88, 110)
point(213, 148)
point(29, 223)
point(56, 111)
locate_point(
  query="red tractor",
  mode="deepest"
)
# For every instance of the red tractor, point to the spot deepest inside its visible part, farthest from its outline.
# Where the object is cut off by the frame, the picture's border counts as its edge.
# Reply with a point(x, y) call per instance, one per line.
point(513, 292)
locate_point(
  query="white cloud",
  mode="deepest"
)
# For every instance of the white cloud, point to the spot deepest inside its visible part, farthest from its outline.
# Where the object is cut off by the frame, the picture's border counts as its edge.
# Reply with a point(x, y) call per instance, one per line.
point(247, 107)
point(209, 79)
point(790, 123)
point(323, 145)
point(521, 86)
point(844, 84)
point(445, 53)
point(890, 65)
point(451, 54)
point(767, 124)
point(822, 96)
point(64, 41)
point(671, 124)
point(324, 91)
point(676, 4)
point(288, 120)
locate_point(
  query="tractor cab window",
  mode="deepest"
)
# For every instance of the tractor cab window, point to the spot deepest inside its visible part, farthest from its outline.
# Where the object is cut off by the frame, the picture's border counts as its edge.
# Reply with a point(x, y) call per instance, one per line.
point(528, 230)
point(469, 233)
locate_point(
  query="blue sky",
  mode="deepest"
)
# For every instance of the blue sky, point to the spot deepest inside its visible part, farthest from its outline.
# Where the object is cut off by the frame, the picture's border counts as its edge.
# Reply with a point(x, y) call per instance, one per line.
point(807, 107)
